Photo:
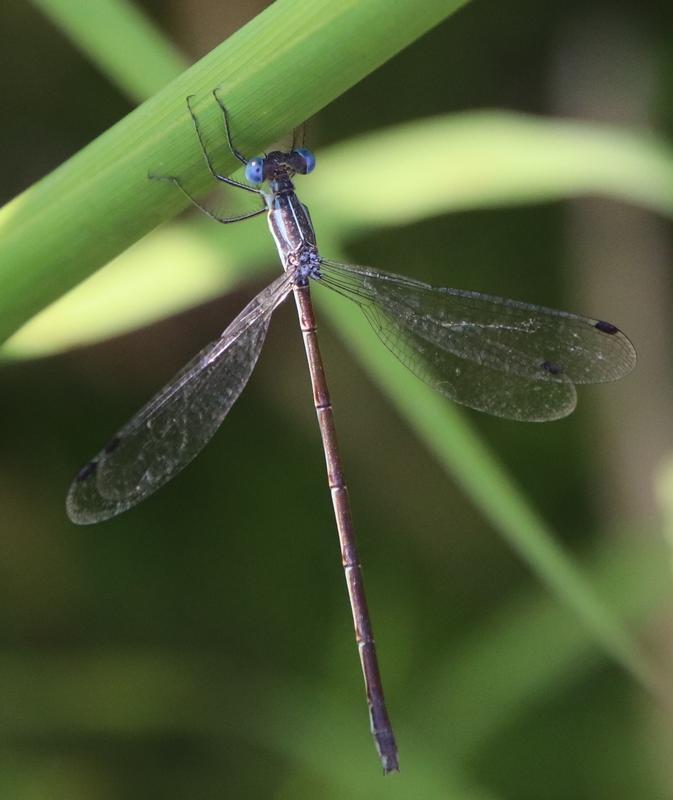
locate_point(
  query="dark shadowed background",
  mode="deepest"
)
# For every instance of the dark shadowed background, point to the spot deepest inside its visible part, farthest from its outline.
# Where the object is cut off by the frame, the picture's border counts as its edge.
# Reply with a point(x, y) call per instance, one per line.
point(201, 645)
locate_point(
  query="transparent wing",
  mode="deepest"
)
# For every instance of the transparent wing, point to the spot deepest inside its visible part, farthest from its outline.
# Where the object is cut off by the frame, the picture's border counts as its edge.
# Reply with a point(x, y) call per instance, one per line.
point(176, 424)
point(504, 357)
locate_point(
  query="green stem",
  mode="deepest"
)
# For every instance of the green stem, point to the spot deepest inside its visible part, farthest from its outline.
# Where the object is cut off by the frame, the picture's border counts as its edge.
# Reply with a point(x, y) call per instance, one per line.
point(281, 68)
point(118, 37)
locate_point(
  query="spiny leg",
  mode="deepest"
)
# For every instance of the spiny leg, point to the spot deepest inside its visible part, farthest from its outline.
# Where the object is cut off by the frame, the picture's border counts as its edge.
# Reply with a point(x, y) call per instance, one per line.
point(227, 129)
point(207, 158)
point(176, 182)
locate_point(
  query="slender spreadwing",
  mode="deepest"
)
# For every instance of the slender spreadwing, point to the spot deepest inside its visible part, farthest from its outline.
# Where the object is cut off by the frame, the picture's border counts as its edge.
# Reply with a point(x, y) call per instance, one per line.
point(504, 357)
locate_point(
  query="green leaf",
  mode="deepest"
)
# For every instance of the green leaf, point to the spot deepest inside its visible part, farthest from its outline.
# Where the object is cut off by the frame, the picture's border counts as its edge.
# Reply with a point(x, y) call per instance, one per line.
point(166, 272)
point(117, 36)
point(479, 160)
point(488, 159)
point(286, 64)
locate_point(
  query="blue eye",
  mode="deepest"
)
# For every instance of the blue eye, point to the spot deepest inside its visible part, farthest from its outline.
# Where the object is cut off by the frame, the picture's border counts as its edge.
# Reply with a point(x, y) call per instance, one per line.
point(309, 159)
point(254, 170)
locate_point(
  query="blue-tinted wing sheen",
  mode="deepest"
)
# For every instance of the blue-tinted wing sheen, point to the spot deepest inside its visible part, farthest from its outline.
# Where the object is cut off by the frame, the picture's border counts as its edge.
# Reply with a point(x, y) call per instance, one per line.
point(504, 357)
point(177, 423)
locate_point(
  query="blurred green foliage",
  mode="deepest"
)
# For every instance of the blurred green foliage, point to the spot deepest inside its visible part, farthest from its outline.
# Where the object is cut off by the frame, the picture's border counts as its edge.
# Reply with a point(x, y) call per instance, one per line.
point(201, 645)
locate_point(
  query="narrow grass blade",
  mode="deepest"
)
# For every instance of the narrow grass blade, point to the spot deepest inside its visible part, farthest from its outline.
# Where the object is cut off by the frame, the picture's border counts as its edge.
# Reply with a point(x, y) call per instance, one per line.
point(275, 72)
point(121, 40)
point(534, 160)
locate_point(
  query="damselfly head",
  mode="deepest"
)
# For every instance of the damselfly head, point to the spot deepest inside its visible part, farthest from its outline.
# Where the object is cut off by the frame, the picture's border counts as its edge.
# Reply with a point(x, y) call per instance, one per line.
point(277, 165)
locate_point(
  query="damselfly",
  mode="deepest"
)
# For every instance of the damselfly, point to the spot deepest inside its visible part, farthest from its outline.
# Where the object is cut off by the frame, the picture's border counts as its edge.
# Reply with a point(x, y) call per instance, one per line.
point(504, 357)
